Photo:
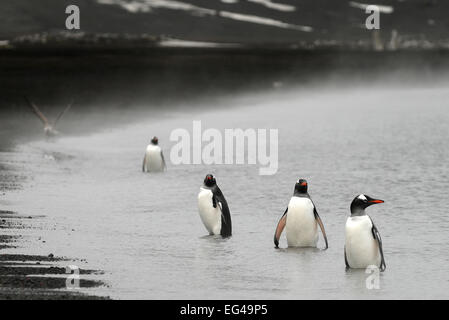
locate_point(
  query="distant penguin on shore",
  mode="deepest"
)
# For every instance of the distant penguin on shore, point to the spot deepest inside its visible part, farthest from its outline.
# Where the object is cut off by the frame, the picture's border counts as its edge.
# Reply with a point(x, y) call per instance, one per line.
point(301, 220)
point(154, 158)
point(363, 244)
point(213, 208)
point(49, 128)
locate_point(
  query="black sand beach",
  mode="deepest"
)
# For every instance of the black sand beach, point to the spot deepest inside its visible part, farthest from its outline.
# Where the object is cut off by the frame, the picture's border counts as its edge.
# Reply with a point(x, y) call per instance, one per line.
point(33, 277)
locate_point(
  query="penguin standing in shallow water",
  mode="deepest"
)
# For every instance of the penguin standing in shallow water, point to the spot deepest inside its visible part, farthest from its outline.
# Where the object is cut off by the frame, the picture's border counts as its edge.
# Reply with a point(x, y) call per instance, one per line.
point(154, 158)
point(301, 220)
point(213, 208)
point(363, 244)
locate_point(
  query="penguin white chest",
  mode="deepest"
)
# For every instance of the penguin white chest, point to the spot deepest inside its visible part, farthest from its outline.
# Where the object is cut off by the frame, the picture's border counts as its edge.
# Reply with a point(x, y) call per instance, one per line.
point(210, 216)
point(153, 159)
point(362, 250)
point(301, 226)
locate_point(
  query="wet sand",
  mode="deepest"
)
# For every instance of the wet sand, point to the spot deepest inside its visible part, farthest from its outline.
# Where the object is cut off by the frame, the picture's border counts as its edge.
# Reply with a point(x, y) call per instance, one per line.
point(24, 277)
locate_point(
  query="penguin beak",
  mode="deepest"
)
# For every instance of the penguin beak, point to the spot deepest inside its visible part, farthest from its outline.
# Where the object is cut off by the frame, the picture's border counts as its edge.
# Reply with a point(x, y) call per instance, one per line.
point(375, 201)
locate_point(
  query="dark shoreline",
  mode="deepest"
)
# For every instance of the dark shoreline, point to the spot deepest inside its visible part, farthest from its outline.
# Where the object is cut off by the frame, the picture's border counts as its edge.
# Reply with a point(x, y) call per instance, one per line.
point(25, 277)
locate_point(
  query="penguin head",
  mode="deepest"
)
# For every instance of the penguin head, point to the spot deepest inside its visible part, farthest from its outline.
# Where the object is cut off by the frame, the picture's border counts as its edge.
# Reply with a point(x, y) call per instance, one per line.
point(361, 202)
point(210, 181)
point(301, 186)
point(154, 140)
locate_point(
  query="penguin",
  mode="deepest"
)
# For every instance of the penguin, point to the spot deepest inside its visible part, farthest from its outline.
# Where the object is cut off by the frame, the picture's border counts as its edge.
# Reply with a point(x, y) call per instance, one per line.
point(363, 244)
point(154, 158)
point(301, 220)
point(49, 127)
point(213, 208)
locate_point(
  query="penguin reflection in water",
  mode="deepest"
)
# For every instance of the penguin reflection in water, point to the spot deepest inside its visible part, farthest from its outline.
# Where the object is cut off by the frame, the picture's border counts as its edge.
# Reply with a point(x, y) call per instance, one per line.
point(301, 220)
point(154, 158)
point(363, 244)
point(213, 208)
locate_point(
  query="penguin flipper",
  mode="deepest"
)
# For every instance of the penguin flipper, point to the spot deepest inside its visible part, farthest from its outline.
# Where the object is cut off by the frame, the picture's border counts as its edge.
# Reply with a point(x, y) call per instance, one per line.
point(144, 162)
point(377, 237)
point(346, 261)
point(164, 165)
point(279, 228)
point(320, 223)
point(226, 223)
point(214, 201)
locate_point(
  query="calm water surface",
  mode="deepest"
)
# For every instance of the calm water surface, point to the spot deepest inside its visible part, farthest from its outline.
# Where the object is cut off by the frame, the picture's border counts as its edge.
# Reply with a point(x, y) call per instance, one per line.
point(145, 233)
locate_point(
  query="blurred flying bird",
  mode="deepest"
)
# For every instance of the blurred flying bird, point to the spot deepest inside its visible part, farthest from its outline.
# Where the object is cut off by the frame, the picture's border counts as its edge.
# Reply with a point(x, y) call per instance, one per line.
point(49, 127)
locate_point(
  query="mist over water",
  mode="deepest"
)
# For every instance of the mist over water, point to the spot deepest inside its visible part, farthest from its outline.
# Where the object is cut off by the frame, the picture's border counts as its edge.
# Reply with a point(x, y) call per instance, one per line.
point(144, 230)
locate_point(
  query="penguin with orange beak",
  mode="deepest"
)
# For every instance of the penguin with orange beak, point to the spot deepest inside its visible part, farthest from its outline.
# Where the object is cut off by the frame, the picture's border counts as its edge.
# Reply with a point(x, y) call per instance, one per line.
point(363, 244)
point(301, 220)
point(213, 208)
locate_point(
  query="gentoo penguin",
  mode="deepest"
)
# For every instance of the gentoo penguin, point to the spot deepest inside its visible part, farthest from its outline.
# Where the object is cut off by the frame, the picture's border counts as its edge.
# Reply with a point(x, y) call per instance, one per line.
point(301, 220)
point(213, 208)
point(49, 128)
point(363, 244)
point(154, 158)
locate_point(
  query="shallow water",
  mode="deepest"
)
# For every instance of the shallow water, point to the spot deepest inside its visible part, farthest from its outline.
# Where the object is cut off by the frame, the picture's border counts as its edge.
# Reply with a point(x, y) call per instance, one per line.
point(144, 230)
